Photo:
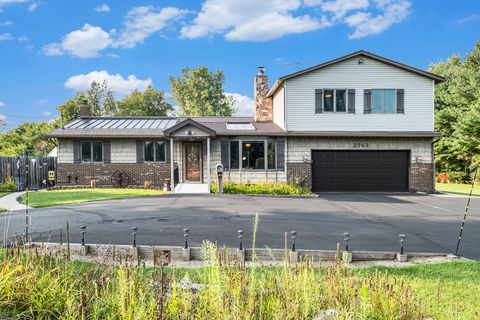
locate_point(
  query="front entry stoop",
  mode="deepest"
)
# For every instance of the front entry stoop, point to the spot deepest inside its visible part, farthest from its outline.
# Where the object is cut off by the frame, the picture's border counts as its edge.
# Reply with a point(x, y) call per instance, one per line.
point(192, 188)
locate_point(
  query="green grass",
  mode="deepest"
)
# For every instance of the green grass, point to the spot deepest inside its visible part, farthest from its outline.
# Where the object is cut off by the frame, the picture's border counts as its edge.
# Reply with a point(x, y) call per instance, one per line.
point(3, 193)
point(458, 188)
point(268, 188)
point(58, 197)
point(3, 210)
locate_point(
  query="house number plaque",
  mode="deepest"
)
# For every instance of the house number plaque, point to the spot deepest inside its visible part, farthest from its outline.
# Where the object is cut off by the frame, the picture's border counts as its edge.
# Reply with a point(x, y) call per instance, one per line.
point(360, 145)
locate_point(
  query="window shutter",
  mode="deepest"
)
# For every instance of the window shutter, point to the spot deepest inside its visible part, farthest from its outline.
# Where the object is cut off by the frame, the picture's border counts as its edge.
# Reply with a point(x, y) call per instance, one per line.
point(107, 158)
point(351, 100)
point(400, 101)
point(139, 151)
point(318, 100)
point(281, 154)
point(224, 150)
point(167, 151)
point(77, 152)
point(367, 101)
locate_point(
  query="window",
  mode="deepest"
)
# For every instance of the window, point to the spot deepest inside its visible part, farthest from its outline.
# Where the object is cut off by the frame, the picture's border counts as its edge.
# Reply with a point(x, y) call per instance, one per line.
point(335, 100)
point(234, 155)
point(92, 151)
point(154, 151)
point(383, 100)
point(259, 154)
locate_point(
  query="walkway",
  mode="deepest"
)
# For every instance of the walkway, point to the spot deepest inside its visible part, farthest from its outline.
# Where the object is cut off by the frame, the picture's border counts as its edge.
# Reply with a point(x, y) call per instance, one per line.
point(11, 202)
point(191, 188)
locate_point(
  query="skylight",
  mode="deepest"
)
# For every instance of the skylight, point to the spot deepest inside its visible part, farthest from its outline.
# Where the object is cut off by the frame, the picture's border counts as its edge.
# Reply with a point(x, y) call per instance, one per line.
point(240, 126)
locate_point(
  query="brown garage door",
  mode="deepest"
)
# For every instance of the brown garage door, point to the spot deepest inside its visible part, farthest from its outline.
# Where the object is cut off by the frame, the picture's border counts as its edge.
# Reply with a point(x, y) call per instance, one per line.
point(358, 171)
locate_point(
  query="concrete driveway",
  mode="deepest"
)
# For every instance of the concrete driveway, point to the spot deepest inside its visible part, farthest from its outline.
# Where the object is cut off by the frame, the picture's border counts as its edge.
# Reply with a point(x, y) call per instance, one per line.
point(431, 223)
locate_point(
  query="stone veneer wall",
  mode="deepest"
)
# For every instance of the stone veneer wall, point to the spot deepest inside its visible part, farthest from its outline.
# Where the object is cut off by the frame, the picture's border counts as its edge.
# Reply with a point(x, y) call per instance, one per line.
point(299, 152)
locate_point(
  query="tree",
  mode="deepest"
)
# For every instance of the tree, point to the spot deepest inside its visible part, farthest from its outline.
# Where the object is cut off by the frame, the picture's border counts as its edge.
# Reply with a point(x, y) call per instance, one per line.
point(28, 135)
point(457, 112)
point(199, 92)
point(151, 102)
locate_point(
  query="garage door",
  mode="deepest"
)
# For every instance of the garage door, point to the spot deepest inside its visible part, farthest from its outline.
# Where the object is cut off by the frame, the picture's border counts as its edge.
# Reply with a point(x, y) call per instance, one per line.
point(371, 171)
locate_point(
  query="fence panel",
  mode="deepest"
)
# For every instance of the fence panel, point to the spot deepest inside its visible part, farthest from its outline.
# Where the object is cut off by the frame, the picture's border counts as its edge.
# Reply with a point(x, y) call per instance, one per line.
point(39, 166)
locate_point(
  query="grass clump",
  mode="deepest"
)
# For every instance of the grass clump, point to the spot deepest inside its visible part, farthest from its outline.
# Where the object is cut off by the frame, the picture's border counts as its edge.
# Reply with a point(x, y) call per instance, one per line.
point(270, 188)
point(3, 193)
point(458, 188)
point(58, 197)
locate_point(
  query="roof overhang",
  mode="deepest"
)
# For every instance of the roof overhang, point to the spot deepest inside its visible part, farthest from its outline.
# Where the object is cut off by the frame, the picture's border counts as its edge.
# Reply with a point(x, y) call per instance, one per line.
point(362, 53)
point(170, 132)
point(372, 134)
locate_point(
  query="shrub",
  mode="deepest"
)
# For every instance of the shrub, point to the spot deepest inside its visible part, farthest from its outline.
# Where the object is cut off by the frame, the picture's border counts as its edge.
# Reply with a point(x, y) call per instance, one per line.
point(277, 188)
point(458, 177)
point(9, 185)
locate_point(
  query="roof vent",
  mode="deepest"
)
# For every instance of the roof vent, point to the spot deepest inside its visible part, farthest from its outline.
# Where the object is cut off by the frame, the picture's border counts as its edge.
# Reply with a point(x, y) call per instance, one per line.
point(361, 61)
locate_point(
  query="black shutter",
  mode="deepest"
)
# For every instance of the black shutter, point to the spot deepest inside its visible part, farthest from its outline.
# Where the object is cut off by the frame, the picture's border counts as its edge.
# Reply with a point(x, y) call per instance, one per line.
point(77, 151)
point(318, 100)
point(351, 100)
point(107, 158)
point(367, 101)
point(139, 151)
point(400, 101)
point(167, 151)
point(281, 154)
point(224, 150)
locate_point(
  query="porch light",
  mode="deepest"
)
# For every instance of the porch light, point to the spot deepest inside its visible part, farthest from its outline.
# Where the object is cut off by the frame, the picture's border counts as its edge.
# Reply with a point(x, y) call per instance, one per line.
point(248, 145)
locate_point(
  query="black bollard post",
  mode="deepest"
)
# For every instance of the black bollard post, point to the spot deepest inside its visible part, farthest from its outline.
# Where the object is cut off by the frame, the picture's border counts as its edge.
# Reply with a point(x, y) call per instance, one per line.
point(240, 237)
point(134, 235)
point(401, 240)
point(186, 232)
point(346, 238)
point(294, 236)
point(82, 231)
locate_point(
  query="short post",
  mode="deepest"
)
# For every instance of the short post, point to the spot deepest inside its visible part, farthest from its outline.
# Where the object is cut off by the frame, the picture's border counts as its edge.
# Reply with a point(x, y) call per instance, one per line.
point(402, 256)
point(293, 252)
point(83, 248)
point(240, 251)
point(134, 249)
point(347, 255)
point(186, 249)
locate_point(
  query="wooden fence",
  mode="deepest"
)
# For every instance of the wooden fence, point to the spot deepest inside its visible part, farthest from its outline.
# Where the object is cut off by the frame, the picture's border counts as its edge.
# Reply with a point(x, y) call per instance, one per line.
point(39, 166)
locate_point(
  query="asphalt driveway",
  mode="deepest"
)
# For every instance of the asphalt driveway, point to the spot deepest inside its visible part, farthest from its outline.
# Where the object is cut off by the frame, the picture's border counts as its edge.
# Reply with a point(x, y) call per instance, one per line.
point(431, 223)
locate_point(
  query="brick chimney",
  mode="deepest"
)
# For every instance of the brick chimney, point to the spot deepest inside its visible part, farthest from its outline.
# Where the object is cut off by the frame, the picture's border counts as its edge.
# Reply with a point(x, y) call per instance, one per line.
point(263, 105)
point(84, 110)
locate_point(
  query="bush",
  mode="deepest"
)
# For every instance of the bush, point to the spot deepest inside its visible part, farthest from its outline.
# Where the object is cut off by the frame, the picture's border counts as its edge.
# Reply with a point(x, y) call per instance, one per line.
point(277, 188)
point(458, 177)
point(9, 185)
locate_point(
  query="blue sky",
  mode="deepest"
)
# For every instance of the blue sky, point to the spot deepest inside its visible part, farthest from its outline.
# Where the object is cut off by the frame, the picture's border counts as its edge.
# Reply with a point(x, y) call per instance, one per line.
point(50, 49)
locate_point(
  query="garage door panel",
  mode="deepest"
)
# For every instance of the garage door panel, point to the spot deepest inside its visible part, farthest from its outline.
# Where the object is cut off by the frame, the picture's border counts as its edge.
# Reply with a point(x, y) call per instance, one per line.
point(345, 170)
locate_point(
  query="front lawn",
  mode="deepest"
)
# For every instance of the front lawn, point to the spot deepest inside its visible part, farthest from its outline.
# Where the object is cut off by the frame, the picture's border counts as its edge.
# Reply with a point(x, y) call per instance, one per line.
point(58, 197)
point(3, 193)
point(458, 188)
point(269, 188)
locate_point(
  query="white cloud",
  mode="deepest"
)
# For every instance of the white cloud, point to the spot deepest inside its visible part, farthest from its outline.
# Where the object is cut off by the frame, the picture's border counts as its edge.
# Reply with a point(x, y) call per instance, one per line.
point(102, 8)
point(6, 23)
point(470, 17)
point(2, 104)
point(117, 82)
point(269, 19)
point(84, 43)
point(41, 102)
point(366, 24)
point(5, 36)
point(33, 7)
point(4, 2)
point(339, 8)
point(47, 113)
point(22, 38)
point(142, 22)
point(243, 104)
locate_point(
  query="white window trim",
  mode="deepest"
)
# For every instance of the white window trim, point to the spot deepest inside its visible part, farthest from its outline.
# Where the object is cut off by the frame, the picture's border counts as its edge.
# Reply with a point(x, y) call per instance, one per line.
point(240, 159)
point(335, 100)
point(383, 101)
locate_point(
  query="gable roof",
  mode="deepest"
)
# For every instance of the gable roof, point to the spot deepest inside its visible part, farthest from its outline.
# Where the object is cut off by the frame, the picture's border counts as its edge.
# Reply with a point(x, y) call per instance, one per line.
point(189, 122)
point(360, 53)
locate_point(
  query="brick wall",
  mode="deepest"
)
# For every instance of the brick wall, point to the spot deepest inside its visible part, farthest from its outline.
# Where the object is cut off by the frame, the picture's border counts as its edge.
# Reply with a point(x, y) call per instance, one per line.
point(300, 173)
point(421, 177)
point(102, 172)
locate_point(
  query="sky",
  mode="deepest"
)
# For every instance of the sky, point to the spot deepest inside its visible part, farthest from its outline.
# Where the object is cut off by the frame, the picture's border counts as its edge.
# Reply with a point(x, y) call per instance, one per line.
point(51, 49)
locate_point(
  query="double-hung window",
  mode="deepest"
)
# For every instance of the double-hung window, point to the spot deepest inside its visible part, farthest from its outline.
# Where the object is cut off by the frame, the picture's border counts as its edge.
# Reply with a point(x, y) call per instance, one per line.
point(92, 151)
point(154, 151)
point(335, 100)
point(384, 101)
point(253, 154)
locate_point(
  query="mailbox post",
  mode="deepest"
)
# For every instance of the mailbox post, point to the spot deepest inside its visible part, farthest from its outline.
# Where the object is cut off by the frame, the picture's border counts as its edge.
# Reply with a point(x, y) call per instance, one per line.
point(220, 177)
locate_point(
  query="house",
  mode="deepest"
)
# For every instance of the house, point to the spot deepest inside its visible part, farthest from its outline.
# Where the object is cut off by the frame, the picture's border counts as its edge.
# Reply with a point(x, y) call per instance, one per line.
point(357, 123)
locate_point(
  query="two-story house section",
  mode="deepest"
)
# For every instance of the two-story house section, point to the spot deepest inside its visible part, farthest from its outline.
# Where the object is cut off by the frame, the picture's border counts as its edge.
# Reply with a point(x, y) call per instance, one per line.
point(356, 123)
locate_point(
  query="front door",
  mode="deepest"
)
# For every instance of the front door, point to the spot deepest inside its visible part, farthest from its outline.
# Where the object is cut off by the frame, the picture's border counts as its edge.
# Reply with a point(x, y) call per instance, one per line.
point(193, 153)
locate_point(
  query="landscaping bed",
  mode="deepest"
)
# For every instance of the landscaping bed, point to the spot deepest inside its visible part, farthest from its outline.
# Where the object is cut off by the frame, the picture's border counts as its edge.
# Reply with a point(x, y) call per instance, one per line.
point(265, 188)
point(46, 198)
point(458, 188)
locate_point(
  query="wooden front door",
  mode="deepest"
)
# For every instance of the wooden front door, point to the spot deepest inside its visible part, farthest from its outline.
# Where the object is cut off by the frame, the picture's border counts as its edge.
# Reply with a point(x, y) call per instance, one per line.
point(193, 156)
